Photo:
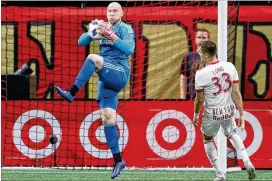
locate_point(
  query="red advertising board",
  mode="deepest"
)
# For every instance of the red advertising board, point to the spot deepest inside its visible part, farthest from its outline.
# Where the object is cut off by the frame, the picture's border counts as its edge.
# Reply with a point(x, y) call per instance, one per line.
point(155, 133)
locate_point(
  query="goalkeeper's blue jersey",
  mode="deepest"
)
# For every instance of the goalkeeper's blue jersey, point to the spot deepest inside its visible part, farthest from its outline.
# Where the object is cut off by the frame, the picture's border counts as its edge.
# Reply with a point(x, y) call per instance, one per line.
point(114, 54)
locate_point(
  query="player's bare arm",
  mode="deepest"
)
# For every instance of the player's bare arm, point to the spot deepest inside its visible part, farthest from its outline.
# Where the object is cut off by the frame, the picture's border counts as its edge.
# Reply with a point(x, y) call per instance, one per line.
point(237, 98)
point(197, 105)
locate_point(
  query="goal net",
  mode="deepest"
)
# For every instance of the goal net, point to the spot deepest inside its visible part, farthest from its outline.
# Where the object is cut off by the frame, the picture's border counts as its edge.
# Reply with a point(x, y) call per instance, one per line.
point(39, 51)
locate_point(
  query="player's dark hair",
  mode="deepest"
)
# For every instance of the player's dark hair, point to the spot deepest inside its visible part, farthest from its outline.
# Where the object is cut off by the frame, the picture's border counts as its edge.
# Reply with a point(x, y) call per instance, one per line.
point(203, 30)
point(208, 47)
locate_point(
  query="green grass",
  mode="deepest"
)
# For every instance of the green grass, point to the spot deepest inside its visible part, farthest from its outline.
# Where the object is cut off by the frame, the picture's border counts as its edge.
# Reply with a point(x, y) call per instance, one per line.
point(126, 175)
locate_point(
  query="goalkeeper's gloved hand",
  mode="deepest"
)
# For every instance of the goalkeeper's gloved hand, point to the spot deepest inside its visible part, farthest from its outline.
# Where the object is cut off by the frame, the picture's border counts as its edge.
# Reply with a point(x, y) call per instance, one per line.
point(96, 21)
point(105, 30)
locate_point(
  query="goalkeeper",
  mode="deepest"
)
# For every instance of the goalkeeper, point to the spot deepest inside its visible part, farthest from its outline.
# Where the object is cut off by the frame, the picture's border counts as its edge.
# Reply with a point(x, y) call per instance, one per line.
point(112, 67)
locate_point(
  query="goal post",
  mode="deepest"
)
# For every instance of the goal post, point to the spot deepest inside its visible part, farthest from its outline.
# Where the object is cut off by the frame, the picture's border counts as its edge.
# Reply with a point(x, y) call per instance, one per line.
point(222, 56)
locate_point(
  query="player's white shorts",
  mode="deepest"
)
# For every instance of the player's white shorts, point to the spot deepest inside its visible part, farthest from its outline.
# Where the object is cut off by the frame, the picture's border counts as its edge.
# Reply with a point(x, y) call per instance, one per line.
point(210, 128)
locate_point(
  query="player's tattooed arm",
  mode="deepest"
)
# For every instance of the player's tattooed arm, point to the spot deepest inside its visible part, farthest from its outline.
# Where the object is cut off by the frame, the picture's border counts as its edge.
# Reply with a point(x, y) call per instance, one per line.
point(199, 100)
point(237, 98)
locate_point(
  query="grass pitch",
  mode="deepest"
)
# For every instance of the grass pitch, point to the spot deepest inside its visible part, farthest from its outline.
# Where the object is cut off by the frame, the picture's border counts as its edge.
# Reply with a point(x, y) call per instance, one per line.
point(126, 175)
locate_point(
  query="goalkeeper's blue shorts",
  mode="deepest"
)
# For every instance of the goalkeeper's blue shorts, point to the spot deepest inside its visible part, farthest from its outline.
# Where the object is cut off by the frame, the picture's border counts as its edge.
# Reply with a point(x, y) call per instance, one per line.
point(113, 77)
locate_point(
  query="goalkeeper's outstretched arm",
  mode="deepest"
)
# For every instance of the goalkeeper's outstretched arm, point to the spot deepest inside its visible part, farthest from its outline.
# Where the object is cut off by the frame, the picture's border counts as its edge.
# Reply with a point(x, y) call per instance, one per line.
point(84, 39)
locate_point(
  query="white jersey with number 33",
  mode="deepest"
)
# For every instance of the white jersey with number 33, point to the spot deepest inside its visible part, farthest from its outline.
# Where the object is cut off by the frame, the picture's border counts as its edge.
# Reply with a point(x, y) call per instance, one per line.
point(216, 80)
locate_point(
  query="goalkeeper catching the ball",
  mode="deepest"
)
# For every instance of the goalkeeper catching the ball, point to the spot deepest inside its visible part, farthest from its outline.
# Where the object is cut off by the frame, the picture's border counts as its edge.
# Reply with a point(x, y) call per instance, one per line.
point(117, 43)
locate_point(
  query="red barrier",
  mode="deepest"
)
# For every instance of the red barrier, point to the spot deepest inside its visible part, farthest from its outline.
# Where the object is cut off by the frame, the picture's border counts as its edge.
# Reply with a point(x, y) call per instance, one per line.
point(154, 135)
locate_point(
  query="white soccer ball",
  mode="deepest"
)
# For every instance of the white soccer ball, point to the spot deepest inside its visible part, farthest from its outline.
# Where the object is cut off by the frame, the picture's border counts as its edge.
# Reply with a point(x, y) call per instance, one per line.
point(93, 32)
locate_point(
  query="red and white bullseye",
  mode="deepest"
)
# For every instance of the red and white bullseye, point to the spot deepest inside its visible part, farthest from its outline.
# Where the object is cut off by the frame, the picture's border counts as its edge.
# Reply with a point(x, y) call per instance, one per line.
point(170, 134)
point(92, 137)
point(253, 130)
point(36, 134)
point(29, 136)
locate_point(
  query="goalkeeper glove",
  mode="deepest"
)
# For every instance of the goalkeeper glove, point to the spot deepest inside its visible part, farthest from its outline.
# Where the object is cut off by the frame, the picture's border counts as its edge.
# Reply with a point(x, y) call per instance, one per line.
point(105, 30)
point(96, 21)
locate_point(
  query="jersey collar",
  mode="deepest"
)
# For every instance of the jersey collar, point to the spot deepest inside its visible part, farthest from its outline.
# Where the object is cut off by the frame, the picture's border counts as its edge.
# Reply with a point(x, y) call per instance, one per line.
point(213, 62)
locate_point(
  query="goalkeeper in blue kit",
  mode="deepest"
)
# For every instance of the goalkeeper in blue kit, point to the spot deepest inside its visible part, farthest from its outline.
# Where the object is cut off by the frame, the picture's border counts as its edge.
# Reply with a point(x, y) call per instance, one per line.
point(112, 67)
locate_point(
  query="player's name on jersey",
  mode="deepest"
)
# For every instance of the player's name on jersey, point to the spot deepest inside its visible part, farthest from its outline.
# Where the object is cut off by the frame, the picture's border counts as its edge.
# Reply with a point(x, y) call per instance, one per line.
point(223, 113)
point(218, 70)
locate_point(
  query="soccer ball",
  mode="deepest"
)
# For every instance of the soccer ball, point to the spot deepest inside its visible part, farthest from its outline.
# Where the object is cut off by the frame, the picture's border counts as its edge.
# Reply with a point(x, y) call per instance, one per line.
point(93, 33)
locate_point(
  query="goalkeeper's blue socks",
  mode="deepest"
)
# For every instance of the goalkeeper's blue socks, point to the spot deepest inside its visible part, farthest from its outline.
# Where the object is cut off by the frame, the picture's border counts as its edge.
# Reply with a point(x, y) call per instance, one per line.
point(112, 140)
point(83, 76)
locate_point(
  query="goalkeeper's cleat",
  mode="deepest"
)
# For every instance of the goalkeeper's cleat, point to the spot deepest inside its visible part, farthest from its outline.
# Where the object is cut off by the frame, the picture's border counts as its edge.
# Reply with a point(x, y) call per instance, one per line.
point(250, 170)
point(117, 168)
point(65, 94)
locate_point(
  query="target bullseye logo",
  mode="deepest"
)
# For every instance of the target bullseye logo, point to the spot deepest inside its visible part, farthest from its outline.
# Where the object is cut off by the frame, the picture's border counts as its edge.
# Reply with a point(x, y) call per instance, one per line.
point(92, 137)
point(31, 132)
point(37, 134)
point(257, 137)
point(170, 134)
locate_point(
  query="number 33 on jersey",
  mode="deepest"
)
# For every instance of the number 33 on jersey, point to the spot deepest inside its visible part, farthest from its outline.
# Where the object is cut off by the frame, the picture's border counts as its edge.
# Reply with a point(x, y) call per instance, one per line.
point(216, 80)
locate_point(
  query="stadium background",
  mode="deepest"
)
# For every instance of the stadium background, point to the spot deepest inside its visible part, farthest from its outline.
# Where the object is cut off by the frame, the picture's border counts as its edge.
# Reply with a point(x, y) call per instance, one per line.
point(56, 60)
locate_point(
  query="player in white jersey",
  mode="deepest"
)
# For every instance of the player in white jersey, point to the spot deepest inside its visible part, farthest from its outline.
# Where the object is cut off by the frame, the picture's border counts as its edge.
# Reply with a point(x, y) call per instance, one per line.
point(217, 84)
